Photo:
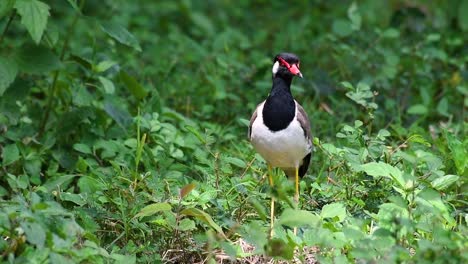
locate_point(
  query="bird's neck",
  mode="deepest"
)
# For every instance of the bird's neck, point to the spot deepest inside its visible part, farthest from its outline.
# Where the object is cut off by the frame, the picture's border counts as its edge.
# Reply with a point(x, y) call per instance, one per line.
point(279, 108)
point(281, 85)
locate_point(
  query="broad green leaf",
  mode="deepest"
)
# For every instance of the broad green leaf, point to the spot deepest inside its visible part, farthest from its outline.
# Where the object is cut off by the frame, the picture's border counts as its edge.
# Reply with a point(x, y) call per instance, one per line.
point(381, 169)
point(82, 148)
point(443, 107)
point(459, 153)
point(354, 16)
point(121, 34)
point(236, 162)
point(35, 233)
point(107, 84)
point(88, 184)
point(462, 15)
point(195, 132)
point(73, 197)
point(378, 169)
point(104, 66)
point(5, 7)
point(10, 154)
point(118, 113)
point(417, 109)
point(36, 59)
point(391, 33)
point(135, 88)
point(202, 21)
point(123, 259)
point(204, 217)
point(418, 139)
point(334, 210)
point(58, 182)
point(342, 28)
point(74, 5)
point(186, 225)
point(298, 218)
point(8, 71)
point(347, 85)
point(34, 16)
point(186, 190)
point(444, 182)
point(153, 209)
point(56, 258)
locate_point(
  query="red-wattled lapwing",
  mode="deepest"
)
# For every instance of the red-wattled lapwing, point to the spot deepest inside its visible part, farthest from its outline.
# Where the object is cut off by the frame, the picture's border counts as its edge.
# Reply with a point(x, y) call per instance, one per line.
point(280, 129)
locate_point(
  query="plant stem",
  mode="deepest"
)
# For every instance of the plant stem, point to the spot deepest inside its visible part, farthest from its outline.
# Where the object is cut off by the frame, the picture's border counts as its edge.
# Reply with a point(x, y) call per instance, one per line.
point(53, 87)
point(7, 25)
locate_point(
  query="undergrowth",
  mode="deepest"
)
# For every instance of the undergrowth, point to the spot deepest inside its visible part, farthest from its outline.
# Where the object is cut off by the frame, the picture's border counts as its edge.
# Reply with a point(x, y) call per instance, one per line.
point(123, 131)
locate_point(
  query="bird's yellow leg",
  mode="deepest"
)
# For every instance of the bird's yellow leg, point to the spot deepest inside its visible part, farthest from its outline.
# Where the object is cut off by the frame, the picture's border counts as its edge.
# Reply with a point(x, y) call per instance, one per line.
point(272, 205)
point(296, 195)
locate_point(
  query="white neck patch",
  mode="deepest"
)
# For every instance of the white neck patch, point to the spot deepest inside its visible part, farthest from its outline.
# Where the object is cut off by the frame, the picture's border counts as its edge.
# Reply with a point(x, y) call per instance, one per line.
point(275, 68)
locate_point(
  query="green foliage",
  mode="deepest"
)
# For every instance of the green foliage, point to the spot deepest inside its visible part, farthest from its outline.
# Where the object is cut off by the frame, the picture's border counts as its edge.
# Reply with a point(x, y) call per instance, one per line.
point(122, 131)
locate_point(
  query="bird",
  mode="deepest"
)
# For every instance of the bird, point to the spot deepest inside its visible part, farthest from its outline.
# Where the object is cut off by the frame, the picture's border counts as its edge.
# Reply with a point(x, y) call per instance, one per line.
point(279, 128)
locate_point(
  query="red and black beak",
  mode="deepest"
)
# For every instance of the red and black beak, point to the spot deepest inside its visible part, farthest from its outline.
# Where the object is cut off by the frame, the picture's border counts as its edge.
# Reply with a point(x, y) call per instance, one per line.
point(293, 68)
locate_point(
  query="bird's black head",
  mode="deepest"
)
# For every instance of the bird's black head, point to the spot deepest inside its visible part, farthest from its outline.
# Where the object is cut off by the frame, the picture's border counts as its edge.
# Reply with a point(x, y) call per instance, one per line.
point(286, 65)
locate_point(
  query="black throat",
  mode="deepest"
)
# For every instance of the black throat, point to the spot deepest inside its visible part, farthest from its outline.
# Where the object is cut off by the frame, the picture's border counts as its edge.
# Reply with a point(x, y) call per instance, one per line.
point(279, 108)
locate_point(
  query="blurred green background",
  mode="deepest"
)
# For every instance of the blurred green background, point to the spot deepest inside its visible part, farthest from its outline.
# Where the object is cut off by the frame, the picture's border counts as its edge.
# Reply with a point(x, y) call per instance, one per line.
point(123, 130)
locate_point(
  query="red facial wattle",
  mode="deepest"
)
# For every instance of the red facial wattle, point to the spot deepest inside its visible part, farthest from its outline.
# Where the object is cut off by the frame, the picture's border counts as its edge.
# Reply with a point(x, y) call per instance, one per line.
point(293, 68)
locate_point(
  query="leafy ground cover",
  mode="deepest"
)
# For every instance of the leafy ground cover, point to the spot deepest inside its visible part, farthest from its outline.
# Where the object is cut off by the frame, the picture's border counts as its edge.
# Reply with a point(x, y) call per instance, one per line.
point(123, 131)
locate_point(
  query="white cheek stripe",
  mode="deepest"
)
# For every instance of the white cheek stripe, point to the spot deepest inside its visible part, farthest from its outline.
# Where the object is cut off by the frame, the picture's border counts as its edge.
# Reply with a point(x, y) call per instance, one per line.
point(275, 67)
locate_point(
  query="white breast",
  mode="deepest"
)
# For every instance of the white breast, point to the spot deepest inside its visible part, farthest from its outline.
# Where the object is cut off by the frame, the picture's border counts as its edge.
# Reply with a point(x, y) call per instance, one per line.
point(285, 148)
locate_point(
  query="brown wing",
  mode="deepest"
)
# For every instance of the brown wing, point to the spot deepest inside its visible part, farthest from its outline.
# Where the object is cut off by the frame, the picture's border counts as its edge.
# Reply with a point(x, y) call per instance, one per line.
point(303, 120)
point(252, 120)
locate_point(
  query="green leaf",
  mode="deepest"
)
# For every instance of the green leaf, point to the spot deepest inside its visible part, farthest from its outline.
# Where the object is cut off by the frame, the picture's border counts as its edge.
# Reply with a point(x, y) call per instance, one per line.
point(298, 218)
point(123, 259)
point(236, 162)
point(354, 16)
point(8, 71)
point(342, 28)
point(334, 210)
point(195, 132)
point(391, 33)
point(34, 16)
point(36, 59)
point(121, 34)
point(74, 5)
point(459, 153)
point(73, 197)
point(35, 233)
point(107, 84)
point(10, 154)
point(444, 182)
point(418, 139)
point(82, 148)
point(88, 184)
point(153, 209)
point(186, 225)
point(417, 109)
point(135, 88)
point(381, 169)
point(204, 217)
point(462, 15)
point(104, 66)
point(59, 182)
point(6, 6)
point(443, 106)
